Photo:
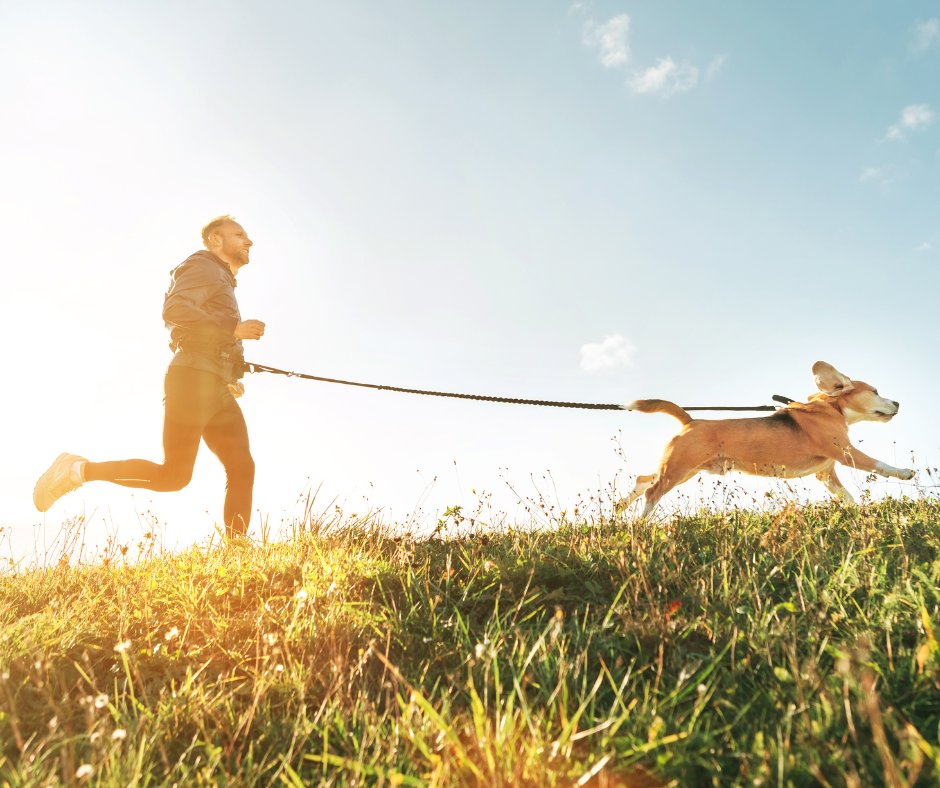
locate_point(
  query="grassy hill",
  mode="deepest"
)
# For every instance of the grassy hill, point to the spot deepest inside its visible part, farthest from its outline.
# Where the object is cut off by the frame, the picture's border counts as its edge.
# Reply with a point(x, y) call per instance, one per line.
point(792, 648)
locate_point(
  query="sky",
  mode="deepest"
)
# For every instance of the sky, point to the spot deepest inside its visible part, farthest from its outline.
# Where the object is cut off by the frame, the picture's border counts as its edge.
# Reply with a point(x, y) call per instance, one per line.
point(589, 201)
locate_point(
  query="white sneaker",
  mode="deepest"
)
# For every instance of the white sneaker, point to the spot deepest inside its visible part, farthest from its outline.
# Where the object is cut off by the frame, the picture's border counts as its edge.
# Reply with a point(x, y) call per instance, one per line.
point(56, 482)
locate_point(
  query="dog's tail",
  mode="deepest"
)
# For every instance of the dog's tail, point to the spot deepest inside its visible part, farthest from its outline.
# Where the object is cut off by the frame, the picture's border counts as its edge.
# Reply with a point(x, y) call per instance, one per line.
point(659, 406)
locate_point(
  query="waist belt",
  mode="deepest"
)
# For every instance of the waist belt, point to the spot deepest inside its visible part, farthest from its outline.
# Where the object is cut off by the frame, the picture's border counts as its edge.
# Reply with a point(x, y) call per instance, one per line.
point(225, 355)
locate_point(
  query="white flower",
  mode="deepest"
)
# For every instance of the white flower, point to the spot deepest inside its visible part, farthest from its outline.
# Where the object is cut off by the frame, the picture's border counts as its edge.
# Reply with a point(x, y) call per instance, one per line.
point(123, 646)
point(101, 701)
point(172, 634)
point(119, 734)
point(84, 771)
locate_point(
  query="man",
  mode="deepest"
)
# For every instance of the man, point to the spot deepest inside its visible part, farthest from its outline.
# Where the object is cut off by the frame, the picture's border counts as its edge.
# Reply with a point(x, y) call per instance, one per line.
point(201, 385)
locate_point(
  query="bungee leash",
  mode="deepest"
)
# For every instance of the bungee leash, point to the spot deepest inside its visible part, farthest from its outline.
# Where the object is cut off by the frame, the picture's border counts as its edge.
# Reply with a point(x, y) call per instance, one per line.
point(252, 367)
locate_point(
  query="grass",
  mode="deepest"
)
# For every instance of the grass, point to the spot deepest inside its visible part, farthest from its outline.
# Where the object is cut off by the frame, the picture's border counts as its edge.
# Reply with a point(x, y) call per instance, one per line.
point(794, 647)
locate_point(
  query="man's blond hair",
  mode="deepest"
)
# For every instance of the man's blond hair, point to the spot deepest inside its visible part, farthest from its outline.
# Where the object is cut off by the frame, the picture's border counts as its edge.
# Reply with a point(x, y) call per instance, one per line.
point(214, 225)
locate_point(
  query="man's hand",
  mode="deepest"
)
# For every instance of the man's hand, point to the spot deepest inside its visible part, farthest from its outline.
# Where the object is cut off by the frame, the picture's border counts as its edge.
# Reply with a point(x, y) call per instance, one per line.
point(237, 388)
point(249, 329)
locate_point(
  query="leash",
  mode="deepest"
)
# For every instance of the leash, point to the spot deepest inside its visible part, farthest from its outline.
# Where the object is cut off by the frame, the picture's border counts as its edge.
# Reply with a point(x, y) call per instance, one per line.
point(252, 367)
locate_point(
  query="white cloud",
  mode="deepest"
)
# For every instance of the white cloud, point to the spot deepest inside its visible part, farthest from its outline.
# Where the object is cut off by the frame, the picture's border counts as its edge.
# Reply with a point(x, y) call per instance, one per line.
point(926, 35)
point(714, 68)
point(926, 246)
point(913, 116)
point(610, 39)
point(876, 175)
point(665, 78)
point(614, 351)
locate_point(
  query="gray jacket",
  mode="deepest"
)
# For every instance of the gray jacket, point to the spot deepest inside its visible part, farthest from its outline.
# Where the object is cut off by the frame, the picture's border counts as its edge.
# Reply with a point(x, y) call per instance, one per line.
point(201, 312)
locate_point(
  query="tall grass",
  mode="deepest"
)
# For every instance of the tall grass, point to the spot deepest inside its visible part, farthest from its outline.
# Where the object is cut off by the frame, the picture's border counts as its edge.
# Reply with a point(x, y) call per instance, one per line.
point(792, 647)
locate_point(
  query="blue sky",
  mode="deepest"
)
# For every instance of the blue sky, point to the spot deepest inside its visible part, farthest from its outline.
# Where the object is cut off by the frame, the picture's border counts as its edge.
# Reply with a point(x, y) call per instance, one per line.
point(594, 200)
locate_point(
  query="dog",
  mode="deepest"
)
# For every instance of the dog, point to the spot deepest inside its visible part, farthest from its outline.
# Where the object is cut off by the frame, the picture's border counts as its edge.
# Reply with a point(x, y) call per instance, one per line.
point(799, 439)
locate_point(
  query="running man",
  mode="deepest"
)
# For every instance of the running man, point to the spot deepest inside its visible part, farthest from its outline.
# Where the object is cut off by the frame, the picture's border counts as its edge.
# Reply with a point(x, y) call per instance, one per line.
point(201, 386)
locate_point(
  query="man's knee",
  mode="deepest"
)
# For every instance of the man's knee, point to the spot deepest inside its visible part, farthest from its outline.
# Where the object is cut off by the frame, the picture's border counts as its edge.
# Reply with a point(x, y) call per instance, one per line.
point(176, 478)
point(242, 470)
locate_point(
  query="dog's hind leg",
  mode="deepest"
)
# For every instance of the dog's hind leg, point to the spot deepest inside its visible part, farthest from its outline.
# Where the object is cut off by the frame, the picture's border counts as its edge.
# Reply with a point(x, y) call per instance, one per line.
point(682, 459)
point(643, 483)
point(828, 477)
point(662, 485)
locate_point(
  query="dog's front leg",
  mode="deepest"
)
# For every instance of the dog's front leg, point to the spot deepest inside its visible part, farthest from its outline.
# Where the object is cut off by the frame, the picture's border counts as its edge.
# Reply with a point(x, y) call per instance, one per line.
point(858, 459)
point(834, 484)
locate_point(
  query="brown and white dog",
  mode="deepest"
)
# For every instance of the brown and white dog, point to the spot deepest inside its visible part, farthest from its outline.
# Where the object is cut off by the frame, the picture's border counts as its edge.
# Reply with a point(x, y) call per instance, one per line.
point(800, 439)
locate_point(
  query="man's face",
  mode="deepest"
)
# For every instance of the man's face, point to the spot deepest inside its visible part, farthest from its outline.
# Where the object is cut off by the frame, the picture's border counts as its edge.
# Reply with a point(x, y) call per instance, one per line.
point(232, 244)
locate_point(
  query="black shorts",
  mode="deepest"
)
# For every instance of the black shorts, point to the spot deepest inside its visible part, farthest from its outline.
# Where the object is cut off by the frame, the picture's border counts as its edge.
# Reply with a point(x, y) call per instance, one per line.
point(194, 397)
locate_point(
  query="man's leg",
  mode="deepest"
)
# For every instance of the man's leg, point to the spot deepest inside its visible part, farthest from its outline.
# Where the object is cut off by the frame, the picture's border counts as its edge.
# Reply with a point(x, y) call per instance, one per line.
point(191, 399)
point(180, 444)
point(226, 435)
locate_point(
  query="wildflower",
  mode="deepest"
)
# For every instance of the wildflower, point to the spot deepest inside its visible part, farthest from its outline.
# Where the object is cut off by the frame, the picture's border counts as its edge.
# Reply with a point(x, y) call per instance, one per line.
point(53, 723)
point(95, 737)
point(672, 607)
point(123, 646)
point(101, 701)
point(301, 596)
point(480, 650)
point(270, 638)
point(119, 734)
point(84, 771)
point(172, 634)
point(278, 668)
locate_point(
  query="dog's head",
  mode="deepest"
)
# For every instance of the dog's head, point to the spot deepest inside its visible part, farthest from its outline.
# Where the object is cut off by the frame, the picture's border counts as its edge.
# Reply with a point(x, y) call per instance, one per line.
point(858, 400)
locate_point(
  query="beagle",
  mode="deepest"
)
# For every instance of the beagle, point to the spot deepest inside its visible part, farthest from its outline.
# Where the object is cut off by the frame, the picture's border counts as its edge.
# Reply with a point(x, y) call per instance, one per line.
point(799, 439)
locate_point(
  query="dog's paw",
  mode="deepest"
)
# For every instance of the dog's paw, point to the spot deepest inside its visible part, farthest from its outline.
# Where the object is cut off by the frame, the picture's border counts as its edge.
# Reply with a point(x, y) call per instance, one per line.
point(905, 474)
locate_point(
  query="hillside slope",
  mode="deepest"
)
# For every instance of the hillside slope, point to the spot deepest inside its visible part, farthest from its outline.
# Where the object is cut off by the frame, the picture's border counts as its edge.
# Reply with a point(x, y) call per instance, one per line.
point(730, 649)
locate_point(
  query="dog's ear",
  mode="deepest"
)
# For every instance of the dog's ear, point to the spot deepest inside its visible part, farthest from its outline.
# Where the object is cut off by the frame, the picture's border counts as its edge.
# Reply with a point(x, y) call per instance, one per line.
point(829, 380)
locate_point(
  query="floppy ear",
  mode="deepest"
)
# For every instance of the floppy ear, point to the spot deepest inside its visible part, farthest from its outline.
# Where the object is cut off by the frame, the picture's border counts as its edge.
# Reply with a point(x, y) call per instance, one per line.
point(829, 380)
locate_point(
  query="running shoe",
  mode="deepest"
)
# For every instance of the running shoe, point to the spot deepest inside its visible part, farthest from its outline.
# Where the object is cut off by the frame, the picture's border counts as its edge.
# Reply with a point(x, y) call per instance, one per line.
point(56, 482)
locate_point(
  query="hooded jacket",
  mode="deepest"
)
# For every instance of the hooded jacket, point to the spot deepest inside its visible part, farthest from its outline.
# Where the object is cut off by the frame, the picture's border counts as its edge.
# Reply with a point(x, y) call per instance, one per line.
point(201, 312)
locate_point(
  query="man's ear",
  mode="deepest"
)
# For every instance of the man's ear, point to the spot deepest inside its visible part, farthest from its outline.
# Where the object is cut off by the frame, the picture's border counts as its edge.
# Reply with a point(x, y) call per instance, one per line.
point(829, 380)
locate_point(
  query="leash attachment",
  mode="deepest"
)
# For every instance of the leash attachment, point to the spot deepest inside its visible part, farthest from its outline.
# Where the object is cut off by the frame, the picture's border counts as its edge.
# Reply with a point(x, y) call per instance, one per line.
point(252, 367)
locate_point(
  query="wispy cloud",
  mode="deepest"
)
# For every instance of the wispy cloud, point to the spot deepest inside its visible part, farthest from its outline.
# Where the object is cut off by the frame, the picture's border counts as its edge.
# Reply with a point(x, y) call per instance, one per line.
point(926, 35)
point(913, 117)
point(715, 67)
point(610, 40)
point(614, 351)
point(923, 248)
point(665, 78)
point(879, 176)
